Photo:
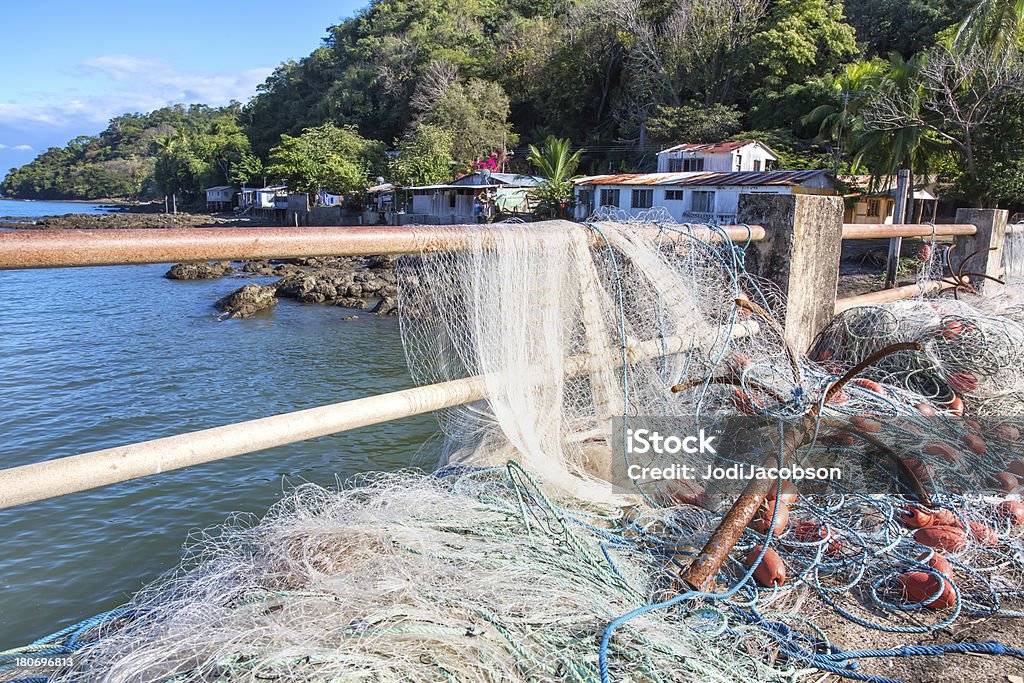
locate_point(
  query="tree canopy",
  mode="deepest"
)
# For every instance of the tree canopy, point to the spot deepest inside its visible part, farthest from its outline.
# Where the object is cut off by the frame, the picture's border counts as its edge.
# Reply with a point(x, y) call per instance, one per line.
point(327, 157)
point(838, 84)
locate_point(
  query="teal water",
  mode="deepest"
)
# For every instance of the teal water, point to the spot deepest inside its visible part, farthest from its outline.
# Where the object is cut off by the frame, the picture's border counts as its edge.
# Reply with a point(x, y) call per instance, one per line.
point(97, 357)
point(17, 208)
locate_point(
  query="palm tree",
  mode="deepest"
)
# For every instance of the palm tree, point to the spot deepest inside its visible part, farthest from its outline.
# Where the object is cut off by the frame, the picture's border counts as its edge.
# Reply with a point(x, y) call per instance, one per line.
point(556, 161)
point(880, 150)
point(996, 25)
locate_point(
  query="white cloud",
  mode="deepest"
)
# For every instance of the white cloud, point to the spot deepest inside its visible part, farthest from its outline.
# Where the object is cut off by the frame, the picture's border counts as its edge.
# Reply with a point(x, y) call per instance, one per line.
point(15, 148)
point(129, 84)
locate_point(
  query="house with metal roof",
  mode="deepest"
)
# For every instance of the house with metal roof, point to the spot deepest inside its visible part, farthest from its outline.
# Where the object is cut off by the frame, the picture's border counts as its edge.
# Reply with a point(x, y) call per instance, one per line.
point(873, 201)
point(724, 157)
point(468, 199)
point(690, 197)
point(220, 197)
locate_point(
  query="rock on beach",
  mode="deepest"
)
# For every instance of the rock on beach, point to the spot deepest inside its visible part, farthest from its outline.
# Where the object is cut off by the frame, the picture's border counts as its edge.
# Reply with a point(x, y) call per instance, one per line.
point(247, 301)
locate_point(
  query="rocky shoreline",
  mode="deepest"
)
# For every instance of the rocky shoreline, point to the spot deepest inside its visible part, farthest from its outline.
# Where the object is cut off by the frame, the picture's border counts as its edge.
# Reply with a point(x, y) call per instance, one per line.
point(348, 282)
point(142, 217)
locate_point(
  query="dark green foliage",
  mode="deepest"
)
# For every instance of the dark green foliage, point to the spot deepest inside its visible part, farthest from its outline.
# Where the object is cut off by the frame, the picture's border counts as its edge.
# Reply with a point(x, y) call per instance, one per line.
point(695, 123)
point(1000, 180)
point(903, 26)
point(174, 149)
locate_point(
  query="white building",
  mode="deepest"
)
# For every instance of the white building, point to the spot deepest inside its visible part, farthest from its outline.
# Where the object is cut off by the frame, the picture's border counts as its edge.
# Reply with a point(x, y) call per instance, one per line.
point(219, 197)
point(264, 197)
point(717, 156)
point(690, 197)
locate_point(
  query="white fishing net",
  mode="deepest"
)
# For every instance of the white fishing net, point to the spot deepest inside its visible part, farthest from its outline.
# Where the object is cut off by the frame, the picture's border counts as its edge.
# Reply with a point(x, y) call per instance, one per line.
point(518, 560)
point(475, 574)
point(568, 327)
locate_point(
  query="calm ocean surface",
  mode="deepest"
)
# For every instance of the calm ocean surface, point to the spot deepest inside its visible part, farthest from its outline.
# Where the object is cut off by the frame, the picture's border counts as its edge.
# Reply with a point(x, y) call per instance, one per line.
point(97, 357)
point(30, 209)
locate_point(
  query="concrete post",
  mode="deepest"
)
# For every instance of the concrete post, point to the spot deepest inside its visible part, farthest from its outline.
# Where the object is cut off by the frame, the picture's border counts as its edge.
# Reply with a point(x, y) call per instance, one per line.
point(991, 224)
point(800, 255)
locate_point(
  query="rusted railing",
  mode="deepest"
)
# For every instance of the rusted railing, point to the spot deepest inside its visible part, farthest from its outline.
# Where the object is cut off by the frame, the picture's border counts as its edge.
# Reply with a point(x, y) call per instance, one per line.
point(888, 295)
point(70, 248)
point(67, 248)
point(858, 231)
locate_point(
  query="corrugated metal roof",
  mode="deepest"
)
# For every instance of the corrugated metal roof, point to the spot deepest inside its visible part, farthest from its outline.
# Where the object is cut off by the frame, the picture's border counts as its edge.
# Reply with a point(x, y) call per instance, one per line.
point(739, 178)
point(709, 147)
point(513, 179)
point(453, 187)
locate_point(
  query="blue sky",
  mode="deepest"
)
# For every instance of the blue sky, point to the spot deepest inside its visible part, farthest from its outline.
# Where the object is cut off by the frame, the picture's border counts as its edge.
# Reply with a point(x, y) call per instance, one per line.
point(67, 67)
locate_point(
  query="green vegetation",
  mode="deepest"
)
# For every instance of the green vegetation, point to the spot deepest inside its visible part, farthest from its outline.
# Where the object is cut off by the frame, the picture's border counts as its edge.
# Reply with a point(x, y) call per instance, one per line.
point(327, 157)
point(175, 149)
point(557, 163)
point(849, 85)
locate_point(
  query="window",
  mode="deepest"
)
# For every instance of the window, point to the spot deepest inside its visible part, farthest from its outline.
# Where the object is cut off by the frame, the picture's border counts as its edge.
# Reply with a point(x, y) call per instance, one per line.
point(770, 164)
point(643, 199)
point(609, 198)
point(739, 162)
point(674, 195)
point(702, 202)
point(584, 197)
point(874, 208)
point(685, 165)
point(757, 164)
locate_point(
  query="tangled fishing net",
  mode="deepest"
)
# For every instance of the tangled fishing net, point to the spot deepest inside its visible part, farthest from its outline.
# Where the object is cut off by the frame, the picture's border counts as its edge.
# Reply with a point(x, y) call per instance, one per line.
point(518, 559)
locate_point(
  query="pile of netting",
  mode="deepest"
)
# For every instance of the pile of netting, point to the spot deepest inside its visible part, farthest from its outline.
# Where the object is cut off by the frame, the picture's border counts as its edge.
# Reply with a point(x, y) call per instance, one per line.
point(526, 556)
point(969, 352)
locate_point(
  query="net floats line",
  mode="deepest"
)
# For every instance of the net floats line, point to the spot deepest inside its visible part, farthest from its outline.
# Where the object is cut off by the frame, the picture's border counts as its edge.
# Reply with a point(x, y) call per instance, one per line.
point(72, 474)
point(32, 248)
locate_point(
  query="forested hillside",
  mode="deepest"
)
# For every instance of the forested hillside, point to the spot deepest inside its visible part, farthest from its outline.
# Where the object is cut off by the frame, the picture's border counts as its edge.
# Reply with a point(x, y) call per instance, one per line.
point(872, 86)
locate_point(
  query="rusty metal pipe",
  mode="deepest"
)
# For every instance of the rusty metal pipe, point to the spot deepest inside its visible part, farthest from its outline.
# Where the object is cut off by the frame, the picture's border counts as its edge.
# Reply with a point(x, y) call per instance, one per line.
point(70, 248)
point(888, 295)
point(858, 231)
point(701, 574)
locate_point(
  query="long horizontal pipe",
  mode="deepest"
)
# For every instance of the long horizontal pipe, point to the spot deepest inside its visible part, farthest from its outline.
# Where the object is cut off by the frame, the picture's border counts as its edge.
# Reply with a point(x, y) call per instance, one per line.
point(32, 248)
point(858, 231)
point(889, 295)
point(52, 478)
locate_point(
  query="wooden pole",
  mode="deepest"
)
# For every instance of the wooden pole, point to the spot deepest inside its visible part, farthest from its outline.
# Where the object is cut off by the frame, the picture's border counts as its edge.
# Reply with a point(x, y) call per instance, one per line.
point(899, 217)
point(888, 295)
point(865, 231)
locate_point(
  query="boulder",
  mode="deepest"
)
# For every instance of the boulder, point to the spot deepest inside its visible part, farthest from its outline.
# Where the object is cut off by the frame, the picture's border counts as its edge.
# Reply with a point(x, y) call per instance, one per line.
point(386, 306)
point(383, 262)
point(350, 302)
point(198, 271)
point(325, 284)
point(259, 268)
point(247, 301)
